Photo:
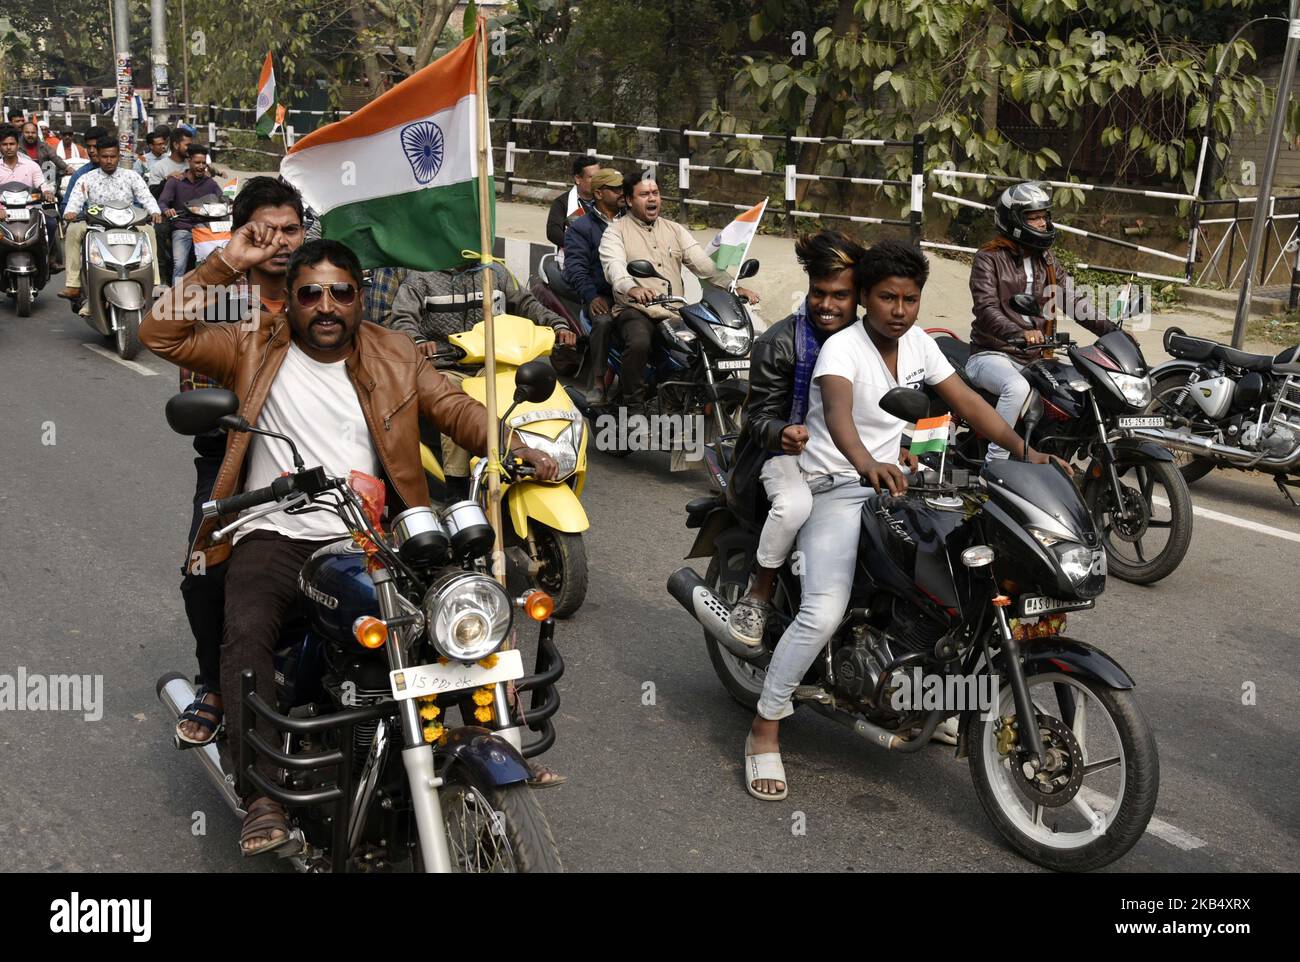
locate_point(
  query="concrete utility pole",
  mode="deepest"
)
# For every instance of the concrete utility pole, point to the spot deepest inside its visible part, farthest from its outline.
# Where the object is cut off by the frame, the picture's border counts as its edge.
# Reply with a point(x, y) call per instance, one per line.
point(125, 85)
point(1264, 194)
point(158, 34)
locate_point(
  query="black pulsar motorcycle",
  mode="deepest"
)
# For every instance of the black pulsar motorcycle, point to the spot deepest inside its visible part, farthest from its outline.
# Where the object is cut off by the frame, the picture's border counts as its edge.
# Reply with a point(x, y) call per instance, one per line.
point(962, 583)
point(1090, 410)
point(403, 627)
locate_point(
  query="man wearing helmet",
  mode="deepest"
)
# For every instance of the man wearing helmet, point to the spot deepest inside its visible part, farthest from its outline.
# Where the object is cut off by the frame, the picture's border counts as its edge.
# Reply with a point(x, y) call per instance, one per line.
point(1019, 260)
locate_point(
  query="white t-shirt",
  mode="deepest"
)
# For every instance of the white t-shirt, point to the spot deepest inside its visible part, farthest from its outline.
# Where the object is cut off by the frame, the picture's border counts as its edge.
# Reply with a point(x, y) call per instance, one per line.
point(850, 354)
point(317, 406)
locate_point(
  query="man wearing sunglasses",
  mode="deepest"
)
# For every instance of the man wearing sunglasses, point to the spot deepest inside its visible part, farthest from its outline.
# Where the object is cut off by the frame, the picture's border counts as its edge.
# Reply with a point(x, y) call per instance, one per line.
point(351, 395)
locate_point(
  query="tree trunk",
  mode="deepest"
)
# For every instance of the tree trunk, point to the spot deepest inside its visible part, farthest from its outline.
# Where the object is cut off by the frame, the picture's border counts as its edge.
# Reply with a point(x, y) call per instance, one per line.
point(825, 106)
point(433, 20)
point(374, 72)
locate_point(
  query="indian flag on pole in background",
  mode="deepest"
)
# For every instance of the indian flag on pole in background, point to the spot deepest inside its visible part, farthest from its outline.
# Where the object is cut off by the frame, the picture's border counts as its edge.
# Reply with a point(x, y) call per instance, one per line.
point(729, 247)
point(931, 434)
point(397, 181)
point(266, 98)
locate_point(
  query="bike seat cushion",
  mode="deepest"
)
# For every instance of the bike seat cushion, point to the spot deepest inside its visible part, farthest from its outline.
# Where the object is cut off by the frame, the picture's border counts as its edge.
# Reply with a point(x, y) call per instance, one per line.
point(1190, 348)
point(1288, 362)
point(1242, 360)
point(556, 280)
point(957, 352)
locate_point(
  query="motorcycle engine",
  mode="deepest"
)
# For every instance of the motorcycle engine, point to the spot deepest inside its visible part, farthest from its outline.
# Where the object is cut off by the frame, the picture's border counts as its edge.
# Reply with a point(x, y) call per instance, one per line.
point(1274, 440)
point(859, 665)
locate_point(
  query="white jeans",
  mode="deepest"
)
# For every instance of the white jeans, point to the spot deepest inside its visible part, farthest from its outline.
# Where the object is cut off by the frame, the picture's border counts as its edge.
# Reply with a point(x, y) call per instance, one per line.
point(792, 502)
point(1000, 375)
point(828, 543)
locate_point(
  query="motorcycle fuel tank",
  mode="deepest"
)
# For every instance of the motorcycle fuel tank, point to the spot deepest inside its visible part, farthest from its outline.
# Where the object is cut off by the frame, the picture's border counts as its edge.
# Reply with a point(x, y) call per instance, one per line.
point(907, 546)
point(338, 590)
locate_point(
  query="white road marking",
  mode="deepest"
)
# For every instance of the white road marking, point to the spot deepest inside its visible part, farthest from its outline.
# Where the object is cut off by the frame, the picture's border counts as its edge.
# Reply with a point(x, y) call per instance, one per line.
point(1233, 519)
point(105, 352)
point(1158, 827)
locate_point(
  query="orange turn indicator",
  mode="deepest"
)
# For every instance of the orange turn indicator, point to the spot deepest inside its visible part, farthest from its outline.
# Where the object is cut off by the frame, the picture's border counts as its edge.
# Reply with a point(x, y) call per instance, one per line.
point(538, 605)
point(370, 632)
point(1002, 601)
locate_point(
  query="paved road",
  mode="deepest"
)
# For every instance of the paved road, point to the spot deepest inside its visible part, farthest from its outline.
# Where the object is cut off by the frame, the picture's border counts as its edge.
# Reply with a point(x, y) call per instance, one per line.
point(91, 531)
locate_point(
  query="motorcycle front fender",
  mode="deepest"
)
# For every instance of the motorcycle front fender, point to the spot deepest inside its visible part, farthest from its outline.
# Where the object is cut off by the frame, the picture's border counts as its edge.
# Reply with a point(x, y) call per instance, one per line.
point(125, 295)
point(1130, 449)
point(20, 262)
point(554, 505)
point(492, 759)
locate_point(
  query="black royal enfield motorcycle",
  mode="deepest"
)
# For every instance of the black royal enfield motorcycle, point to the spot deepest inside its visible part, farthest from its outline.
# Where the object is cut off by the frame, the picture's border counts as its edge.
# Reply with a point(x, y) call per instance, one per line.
point(402, 628)
point(1090, 410)
point(962, 578)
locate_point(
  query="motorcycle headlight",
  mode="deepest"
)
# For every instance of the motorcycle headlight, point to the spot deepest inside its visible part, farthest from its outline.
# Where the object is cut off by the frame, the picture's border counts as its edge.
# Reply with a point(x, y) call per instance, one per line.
point(564, 448)
point(118, 216)
point(1077, 562)
point(1136, 390)
point(733, 340)
point(95, 252)
point(468, 615)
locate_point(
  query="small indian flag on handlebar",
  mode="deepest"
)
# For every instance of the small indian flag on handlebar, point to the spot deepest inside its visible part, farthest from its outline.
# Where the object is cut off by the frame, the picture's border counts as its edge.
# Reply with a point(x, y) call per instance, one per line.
point(931, 434)
point(728, 248)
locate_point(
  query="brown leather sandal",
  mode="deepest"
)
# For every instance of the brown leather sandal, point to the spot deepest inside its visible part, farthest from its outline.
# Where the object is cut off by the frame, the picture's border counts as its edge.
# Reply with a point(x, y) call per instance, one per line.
point(265, 817)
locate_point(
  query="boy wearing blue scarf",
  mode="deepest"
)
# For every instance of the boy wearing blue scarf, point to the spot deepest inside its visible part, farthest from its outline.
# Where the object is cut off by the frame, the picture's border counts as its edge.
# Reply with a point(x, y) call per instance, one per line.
point(782, 364)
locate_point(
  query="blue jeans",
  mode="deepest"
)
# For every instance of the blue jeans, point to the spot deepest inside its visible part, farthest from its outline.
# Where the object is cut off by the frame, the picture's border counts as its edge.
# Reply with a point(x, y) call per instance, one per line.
point(828, 547)
point(182, 247)
point(1000, 375)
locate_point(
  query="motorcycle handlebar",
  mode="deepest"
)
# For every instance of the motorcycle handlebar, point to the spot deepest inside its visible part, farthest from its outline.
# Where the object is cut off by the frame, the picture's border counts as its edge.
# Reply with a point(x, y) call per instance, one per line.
point(236, 503)
point(1055, 340)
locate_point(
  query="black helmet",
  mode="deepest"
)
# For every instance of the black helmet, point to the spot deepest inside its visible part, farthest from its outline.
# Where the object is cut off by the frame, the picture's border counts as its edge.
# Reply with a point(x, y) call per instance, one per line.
point(1014, 204)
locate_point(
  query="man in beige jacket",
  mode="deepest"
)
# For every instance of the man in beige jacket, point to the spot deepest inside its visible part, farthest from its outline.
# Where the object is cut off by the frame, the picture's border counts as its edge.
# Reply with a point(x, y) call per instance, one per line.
point(644, 235)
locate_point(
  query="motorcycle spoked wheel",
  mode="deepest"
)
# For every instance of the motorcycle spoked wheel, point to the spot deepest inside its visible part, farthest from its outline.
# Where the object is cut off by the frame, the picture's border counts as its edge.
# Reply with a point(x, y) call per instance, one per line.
point(1124, 531)
point(23, 295)
point(1098, 810)
point(496, 828)
point(126, 339)
point(1163, 392)
point(743, 680)
point(563, 575)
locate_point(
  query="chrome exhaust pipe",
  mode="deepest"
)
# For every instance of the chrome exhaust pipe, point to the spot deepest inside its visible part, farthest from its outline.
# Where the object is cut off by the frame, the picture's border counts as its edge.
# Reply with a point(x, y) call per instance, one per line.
point(1237, 457)
point(713, 614)
point(176, 693)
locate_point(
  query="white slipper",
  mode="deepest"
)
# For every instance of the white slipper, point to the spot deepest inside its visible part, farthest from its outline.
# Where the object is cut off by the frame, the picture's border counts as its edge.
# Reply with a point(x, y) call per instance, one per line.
point(946, 733)
point(764, 765)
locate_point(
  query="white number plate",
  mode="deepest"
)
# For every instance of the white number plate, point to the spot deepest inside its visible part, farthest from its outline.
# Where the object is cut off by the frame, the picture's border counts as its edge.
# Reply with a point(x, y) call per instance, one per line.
point(738, 364)
point(217, 226)
point(1141, 422)
point(18, 213)
point(436, 679)
point(1040, 605)
point(123, 237)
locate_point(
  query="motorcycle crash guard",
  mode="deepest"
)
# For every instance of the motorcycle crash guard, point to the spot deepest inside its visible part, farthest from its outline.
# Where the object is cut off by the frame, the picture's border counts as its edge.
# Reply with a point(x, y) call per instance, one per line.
point(20, 262)
point(492, 759)
point(554, 505)
point(124, 295)
point(1059, 656)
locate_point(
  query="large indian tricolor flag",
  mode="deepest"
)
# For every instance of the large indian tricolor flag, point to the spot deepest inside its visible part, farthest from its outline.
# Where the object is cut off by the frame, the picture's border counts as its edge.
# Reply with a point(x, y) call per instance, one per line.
point(397, 181)
point(729, 247)
point(264, 118)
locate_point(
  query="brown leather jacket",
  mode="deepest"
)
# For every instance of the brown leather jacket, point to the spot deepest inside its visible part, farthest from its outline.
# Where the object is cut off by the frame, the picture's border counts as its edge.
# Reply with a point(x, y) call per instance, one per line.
point(998, 274)
point(395, 384)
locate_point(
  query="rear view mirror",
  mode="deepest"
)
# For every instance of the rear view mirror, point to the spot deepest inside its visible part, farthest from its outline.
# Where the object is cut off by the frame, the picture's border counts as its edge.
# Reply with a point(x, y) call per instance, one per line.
point(748, 269)
point(1027, 305)
point(200, 411)
point(905, 404)
point(534, 382)
point(643, 269)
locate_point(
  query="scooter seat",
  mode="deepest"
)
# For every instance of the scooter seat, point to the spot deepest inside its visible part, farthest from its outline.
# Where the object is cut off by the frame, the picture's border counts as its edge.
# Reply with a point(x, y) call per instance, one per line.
point(1179, 344)
point(556, 282)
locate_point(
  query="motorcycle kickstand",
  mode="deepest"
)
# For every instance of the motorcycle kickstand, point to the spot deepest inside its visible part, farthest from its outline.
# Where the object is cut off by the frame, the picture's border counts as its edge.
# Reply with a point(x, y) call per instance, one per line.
point(1284, 484)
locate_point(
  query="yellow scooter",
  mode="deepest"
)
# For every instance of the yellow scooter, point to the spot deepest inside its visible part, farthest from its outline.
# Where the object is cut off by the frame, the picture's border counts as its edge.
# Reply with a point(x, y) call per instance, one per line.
point(545, 518)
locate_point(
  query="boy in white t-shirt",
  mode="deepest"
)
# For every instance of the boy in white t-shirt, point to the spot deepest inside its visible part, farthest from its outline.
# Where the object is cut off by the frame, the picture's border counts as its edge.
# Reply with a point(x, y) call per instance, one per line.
point(849, 438)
